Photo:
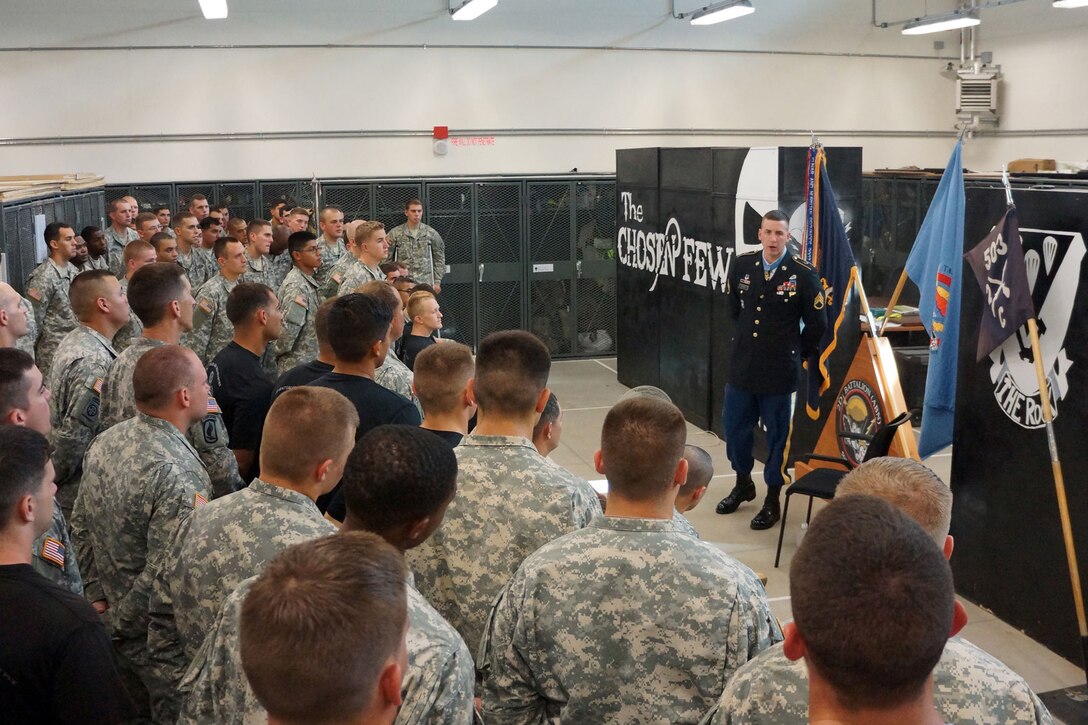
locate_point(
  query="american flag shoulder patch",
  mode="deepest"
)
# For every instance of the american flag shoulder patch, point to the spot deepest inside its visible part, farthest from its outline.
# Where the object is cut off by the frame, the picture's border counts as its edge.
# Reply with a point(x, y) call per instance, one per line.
point(53, 551)
point(35, 294)
point(300, 300)
point(338, 278)
point(98, 383)
point(199, 500)
point(206, 305)
point(213, 406)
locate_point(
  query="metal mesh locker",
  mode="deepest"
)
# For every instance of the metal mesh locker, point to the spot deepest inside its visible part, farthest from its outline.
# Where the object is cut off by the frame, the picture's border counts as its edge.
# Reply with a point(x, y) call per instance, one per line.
point(295, 193)
point(241, 199)
point(390, 200)
point(550, 266)
point(150, 196)
point(352, 199)
point(185, 193)
point(448, 208)
point(595, 299)
point(499, 253)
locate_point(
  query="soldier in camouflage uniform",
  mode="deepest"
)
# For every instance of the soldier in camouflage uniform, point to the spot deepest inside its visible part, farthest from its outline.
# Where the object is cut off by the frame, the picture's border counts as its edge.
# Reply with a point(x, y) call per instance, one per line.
point(14, 318)
point(510, 500)
point(969, 685)
point(198, 263)
point(137, 255)
point(370, 249)
point(26, 342)
point(419, 246)
point(79, 370)
point(141, 480)
point(232, 538)
point(299, 299)
point(259, 263)
point(47, 288)
point(438, 683)
point(212, 331)
point(165, 301)
point(27, 399)
point(330, 242)
point(629, 619)
point(119, 233)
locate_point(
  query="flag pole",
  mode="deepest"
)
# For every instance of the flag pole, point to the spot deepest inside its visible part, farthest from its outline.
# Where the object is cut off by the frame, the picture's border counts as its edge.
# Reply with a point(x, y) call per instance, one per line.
point(1059, 484)
point(894, 299)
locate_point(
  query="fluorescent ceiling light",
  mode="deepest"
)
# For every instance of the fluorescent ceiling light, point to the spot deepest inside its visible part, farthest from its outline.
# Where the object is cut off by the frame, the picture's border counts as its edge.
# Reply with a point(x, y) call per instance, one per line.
point(1070, 3)
point(940, 23)
point(472, 9)
point(721, 12)
point(214, 9)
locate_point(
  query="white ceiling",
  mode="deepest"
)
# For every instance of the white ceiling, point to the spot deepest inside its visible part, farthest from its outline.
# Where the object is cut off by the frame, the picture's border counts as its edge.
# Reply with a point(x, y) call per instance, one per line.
point(833, 26)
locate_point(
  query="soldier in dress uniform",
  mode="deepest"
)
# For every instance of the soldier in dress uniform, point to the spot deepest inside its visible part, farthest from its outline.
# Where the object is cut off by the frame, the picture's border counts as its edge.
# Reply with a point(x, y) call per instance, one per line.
point(772, 292)
point(629, 619)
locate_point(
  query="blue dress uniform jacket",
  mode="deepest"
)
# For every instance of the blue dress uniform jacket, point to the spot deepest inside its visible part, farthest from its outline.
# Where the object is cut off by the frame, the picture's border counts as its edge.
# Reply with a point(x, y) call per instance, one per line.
point(768, 342)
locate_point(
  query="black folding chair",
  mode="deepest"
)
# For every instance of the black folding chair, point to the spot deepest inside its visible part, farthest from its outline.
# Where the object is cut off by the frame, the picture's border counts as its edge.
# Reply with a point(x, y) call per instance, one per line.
point(822, 482)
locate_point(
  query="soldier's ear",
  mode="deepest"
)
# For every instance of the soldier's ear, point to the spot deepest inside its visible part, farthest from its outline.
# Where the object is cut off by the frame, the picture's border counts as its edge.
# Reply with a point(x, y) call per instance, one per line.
point(598, 462)
point(470, 388)
point(793, 646)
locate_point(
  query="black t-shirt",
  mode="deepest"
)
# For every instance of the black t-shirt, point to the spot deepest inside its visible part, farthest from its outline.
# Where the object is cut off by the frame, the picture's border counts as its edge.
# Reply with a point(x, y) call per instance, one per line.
point(245, 395)
point(376, 406)
point(450, 436)
point(413, 345)
point(303, 374)
point(56, 661)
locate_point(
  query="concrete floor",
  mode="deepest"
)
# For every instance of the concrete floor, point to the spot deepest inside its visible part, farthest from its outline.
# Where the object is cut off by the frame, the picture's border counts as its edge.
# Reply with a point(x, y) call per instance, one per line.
point(588, 388)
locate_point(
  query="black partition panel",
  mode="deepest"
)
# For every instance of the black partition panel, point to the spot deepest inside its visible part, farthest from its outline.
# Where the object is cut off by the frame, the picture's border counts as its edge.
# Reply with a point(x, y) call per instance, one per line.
point(1010, 556)
point(683, 215)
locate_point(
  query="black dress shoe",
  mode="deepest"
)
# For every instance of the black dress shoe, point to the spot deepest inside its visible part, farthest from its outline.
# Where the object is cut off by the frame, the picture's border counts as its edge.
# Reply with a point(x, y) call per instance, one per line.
point(768, 516)
point(745, 490)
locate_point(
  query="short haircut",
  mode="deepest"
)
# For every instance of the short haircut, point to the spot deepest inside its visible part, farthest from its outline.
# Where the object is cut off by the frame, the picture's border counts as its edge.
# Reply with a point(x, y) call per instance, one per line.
point(277, 205)
point(89, 231)
point(700, 469)
point(237, 222)
point(160, 208)
point(440, 375)
point(246, 299)
point(24, 454)
point(300, 210)
point(219, 248)
point(152, 288)
point(298, 240)
point(387, 267)
point(144, 216)
point(416, 301)
point(356, 322)
point(53, 231)
point(221, 207)
point(197, 197)
point(116, 204)
point(424, 287)
point(135, 248)
point(398, 474)
point(908, 485)
point(320, 623)
point(326, 209)
point(160, 373)
point(365, 229)
point(550, 414)
point(179, 219)
point(321, 320)
point(646, 391)
point(872, 600)
point(158, 239)
point(208, 222)
point(256, 224)
point(14, 390)
point(87, 287)
point(324, 414)
point(413, 200)
point(511, 371)
point(642, 440)
point(775, 215)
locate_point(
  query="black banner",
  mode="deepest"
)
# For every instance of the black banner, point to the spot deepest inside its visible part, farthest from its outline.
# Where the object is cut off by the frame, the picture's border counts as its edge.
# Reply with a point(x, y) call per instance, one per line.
point(1009, 555)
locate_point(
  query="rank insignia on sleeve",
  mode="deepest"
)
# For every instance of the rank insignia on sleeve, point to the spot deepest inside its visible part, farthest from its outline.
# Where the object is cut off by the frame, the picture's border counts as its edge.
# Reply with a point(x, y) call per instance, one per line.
point(34, 294)
point(199, 500)
point(53, 551)
point(818, 303)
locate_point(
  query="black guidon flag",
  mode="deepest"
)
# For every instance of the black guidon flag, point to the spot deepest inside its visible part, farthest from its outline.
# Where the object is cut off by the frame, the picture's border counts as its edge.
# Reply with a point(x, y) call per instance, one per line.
point(998, 264)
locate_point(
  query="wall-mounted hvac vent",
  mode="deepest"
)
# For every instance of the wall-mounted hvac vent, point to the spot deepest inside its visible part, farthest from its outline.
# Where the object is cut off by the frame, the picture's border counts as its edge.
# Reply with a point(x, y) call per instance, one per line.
point(976, 96)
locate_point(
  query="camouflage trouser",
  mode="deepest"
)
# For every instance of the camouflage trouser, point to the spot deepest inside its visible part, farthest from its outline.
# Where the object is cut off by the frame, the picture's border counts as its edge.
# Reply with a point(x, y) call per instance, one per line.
point(131, 658)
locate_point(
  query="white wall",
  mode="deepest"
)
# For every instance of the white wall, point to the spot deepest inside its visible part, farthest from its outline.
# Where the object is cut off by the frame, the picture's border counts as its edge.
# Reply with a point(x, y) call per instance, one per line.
point(144, 92)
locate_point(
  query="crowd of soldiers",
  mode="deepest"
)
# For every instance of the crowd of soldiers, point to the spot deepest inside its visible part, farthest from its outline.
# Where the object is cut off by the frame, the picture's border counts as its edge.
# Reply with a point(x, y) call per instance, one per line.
point(261, 512)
